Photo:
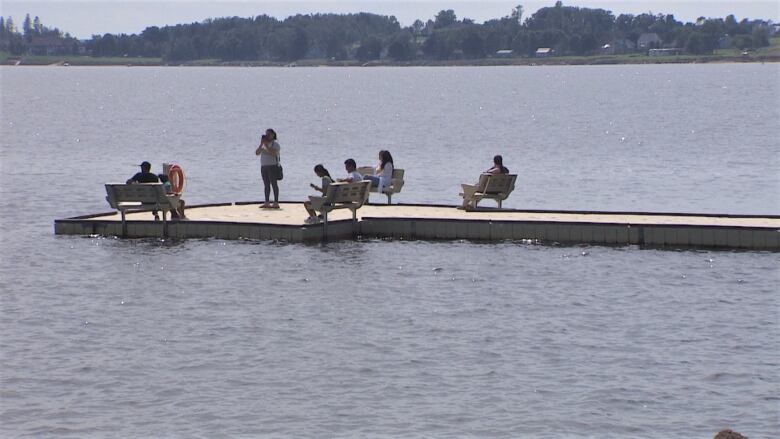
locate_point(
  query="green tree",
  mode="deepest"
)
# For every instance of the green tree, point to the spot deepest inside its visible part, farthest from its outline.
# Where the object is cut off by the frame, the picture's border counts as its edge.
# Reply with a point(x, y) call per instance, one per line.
point(760, 36)
point(731, 26)
point(27, 27)
point(181, 49)
point(370, 49)
point(300, 45)
point(742, 42)
point(473, 45)
point(417, 27)
point(440, 45)
point(10, 27)
point(517, 14)
point(335, 43)
point(698, 43)
point(402, 47)
point(444, 19)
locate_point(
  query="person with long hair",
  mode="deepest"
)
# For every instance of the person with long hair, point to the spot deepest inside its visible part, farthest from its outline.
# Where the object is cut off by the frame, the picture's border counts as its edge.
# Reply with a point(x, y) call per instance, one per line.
point(269, 166)
point(498, 166)
point(383, 174)
point(469, 190)
point(316, 201)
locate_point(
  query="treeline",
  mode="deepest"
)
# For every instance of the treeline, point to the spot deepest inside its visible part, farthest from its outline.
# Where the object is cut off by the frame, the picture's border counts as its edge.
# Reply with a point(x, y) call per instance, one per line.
point(17, 42)
point(363, 36)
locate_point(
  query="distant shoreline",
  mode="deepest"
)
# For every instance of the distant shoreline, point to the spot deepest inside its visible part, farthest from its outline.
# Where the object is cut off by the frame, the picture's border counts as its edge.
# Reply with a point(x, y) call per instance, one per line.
point(484, 62)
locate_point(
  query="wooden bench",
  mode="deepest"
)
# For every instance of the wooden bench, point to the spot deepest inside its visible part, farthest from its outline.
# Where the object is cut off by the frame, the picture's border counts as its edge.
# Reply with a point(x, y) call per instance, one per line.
point(143, 197)
point(341, 196)
point(395, 186)
point(493, 186)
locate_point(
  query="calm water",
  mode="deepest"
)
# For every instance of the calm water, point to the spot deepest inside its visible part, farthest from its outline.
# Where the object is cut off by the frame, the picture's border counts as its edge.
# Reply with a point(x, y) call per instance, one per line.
point(138, 338)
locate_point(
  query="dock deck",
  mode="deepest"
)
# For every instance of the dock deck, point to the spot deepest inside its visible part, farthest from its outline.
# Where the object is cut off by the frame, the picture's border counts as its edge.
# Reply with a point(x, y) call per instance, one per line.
point(245, 220)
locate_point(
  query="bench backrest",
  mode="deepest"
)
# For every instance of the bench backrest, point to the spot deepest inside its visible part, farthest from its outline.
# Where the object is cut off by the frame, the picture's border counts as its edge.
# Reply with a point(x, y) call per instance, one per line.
point(500, 184)
point(483, 181)
point(146, 194)
point(347, 193)
point(397, 181)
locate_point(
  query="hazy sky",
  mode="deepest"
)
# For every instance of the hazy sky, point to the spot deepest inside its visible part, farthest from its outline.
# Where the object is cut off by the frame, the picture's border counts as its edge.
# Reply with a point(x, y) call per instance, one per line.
point(84, 18)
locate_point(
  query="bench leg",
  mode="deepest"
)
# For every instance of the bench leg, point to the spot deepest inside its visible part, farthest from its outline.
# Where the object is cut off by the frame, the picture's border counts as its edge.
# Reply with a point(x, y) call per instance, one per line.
point(325, 225)
point(354, 222)
point(389, 198)
point(124, 225)
point(165, 223)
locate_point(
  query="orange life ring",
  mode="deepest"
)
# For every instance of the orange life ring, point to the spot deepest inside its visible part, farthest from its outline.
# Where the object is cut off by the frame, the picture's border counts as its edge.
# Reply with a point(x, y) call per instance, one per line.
point(176, 177)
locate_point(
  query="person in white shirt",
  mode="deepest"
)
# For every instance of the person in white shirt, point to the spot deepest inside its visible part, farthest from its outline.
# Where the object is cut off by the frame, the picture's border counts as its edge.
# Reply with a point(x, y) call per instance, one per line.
point(269, 166)
point(353, 176)
point(383, 172)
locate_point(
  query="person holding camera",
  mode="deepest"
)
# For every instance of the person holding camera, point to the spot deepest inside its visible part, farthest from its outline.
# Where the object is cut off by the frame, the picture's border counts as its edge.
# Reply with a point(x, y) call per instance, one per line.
point(268, 150)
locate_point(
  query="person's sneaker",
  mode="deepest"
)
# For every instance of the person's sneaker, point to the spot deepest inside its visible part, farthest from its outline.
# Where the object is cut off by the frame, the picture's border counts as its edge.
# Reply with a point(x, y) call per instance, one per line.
point(311, 220)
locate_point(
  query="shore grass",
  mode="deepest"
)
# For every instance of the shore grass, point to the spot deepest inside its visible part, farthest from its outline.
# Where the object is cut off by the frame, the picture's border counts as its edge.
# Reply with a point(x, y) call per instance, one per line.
point(764, 54)
point(28, 60)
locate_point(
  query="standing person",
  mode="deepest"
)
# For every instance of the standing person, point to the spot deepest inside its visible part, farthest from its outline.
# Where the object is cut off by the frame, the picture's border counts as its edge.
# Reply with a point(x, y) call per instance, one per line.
point(269, 166)
point(353, 176)
point(315, 202)
point(145, 176)
point(383, 172)
point(498, 166)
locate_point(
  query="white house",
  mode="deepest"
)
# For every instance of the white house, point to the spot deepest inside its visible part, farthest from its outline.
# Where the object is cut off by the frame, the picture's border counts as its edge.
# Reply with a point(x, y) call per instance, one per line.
point(544, 52)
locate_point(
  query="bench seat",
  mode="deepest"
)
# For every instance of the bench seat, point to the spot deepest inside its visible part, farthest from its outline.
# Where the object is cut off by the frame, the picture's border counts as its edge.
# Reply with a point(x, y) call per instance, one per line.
point(341, 196)
point(493, 186)
point(395, 186)
point(140, 197)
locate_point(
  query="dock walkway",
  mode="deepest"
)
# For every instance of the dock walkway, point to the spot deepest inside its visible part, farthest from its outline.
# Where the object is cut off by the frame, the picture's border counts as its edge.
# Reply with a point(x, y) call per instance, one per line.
point(245, 220)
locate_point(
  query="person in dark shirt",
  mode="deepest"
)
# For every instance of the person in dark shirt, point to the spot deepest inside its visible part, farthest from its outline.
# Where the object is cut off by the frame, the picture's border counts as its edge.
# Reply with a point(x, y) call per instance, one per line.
point(145, 176)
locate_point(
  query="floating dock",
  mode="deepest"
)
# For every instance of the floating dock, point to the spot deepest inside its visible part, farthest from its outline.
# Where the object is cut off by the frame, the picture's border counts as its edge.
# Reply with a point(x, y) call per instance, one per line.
point(245, 220)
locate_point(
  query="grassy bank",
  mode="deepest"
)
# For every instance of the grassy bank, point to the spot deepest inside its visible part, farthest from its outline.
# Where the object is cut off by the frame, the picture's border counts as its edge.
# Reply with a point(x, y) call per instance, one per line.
point(27, 60)
point(764, 54)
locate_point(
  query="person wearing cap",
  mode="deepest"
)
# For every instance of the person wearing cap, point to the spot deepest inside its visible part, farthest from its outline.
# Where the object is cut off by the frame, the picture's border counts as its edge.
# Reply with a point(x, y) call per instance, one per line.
point(145, 176)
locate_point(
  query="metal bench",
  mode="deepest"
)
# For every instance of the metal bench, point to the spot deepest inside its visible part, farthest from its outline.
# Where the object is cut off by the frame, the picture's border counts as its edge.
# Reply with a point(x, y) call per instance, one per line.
point(493, 186)
point(144, 197)
point(395, 186)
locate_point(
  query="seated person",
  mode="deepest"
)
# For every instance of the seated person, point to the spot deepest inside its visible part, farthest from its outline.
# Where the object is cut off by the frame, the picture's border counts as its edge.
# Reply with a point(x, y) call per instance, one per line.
point(470, 189)
point(145, 176)
point(316, 201)
point(383, 172)
point(353, 176)
point(498, 166)
point(174, 199)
